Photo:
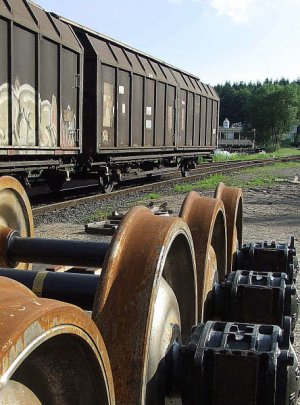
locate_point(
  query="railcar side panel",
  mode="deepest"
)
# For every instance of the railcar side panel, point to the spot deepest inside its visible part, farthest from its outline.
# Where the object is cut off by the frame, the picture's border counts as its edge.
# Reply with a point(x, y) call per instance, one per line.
point(123, 108)
point(215, 119)
point(203, 121)
point(197, 121)
point(69, 99)
point(137, 109)
point(190, 119)
point(24, 96)
point(160, 121)
point(149, 111)
point(171, 116)
point(147, 104)
point(182, 118)
point(49, 99)
point(4, 86)
point(108, 85)
point(208, 141)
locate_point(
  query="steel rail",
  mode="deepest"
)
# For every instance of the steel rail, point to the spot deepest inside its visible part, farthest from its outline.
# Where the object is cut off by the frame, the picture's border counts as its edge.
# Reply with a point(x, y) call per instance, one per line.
point(201, 172)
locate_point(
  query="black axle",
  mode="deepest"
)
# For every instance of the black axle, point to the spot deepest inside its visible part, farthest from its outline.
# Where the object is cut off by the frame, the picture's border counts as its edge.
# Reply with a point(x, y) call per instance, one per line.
point(55, 251)
point(74, 288)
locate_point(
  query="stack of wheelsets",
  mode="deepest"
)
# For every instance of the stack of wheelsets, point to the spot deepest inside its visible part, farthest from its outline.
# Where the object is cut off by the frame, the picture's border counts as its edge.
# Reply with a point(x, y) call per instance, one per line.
point(182, 313)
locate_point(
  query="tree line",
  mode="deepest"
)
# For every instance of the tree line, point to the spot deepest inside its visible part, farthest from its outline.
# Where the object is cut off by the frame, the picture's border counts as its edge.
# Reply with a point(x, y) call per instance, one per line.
point(266, 109)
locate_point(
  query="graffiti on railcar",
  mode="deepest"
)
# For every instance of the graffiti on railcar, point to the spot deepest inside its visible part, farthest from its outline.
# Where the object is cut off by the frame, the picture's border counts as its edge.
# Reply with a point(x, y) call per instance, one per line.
point(68, 128)
point(4, 115)
point(48, 123)
point(24, 119)
point(23, 114)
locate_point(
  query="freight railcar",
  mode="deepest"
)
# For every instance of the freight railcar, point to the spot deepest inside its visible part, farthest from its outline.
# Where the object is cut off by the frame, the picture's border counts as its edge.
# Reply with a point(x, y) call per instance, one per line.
point(75, 102)
point(41, 63)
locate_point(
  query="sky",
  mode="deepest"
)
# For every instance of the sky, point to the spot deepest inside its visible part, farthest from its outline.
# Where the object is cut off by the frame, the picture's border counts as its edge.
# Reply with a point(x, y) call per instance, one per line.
point(217, 40)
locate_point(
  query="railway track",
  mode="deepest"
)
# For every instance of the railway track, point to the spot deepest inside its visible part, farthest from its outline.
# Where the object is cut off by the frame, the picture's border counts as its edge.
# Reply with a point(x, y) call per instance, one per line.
point(204, 170)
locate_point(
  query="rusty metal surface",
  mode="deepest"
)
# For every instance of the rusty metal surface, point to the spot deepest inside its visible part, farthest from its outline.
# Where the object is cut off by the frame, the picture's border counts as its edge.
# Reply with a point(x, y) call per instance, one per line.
point(15, 212)
point(232, 198)
point(28, 322)
point(206, 220)
point(144, 249)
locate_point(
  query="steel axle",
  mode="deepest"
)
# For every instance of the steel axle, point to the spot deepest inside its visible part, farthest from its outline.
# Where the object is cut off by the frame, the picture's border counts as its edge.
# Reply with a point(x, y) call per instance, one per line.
point(16, 249)
point(76, 289)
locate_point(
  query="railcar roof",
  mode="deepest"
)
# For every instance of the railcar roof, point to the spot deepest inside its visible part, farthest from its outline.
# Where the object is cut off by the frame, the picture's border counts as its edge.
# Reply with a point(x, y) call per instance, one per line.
point(204, 88)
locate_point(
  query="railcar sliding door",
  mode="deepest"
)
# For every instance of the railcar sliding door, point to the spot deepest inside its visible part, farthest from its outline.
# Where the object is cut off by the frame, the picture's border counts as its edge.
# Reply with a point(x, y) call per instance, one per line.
point(203, 121)
point(160, 114)
point(190, 119)
point(214, 123)
point(49, 100)
point(182, 118)
point(209, 122)
point(137, 110)
point(197, 115)
point(123, 108)
point(170, 118)
point(24, 88)
point(108, 80)
point(4, 138)
point(69, 99)
point(149, 112)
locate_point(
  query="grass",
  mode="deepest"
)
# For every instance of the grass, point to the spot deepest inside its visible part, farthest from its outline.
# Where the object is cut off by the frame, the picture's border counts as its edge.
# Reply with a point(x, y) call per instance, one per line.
point(247, 178)
point(99, 215)
point(283, 152)
point(151, 196)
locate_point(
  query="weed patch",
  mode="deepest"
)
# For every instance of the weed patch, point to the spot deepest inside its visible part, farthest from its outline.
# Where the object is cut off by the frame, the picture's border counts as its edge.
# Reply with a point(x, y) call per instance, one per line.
point(252, 177)
point(151, 196)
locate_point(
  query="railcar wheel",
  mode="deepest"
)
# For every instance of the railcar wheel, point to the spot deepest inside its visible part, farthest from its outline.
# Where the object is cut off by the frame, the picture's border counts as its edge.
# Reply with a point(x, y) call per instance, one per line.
point(55, 185)
point(184, 171)
point(55, 179)
point(51, 352)
point(15, 211)
point(232, 198)
point(146, 299)
point(206, 220)
point(106, 184)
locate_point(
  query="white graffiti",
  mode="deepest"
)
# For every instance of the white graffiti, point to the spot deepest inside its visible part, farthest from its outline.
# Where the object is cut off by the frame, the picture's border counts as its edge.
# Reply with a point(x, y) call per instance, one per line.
point(24, 119)
point(48, 123)
point(68, 128)
point(23, 114)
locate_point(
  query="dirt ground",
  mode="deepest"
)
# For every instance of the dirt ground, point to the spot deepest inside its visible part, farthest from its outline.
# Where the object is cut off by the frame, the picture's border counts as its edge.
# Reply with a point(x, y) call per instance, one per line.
point(271, 213)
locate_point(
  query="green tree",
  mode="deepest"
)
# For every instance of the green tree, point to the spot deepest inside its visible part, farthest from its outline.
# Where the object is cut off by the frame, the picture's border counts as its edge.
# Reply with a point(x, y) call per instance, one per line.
point(273, 109)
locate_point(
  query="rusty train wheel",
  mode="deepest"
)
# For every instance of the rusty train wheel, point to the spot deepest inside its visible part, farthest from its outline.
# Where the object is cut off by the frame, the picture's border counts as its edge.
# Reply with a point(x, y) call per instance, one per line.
point(206, 220)
point(232, 198)
point(146, 300)
point(15, 210)
point(51, 352)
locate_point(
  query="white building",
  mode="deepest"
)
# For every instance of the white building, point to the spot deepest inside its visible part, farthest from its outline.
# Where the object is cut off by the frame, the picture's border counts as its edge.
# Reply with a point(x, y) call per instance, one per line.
point(233, 136)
